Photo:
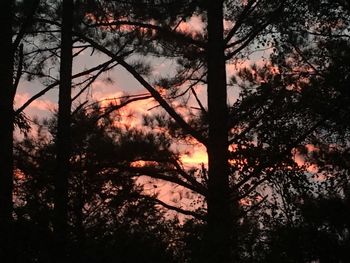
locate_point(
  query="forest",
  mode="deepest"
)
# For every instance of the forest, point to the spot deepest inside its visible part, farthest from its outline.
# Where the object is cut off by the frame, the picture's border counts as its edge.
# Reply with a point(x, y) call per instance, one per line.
point(184, 131)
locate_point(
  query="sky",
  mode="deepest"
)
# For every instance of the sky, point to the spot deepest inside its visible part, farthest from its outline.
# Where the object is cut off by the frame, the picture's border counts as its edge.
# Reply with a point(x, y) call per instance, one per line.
point(122, 81)
point(118, 82)
point(114, 84)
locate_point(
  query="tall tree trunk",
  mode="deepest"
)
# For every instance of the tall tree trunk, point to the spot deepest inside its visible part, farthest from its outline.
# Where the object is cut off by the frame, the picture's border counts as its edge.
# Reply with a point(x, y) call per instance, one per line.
point(6, 124)
point(63, 141)
point(217, 241)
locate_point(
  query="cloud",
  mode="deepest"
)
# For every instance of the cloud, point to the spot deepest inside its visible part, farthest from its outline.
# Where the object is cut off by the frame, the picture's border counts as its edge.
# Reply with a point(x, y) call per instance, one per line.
point(38, 107)
point(300, 159)
point(193, 26)
point(196, 156)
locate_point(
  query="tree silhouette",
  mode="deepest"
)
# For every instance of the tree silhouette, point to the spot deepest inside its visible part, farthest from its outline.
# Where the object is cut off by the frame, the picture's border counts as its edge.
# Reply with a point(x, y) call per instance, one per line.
point(63, 143)
point(107, 216)
point(6, 121)
point(218, 241)
point(14, 33)
point(276, 181)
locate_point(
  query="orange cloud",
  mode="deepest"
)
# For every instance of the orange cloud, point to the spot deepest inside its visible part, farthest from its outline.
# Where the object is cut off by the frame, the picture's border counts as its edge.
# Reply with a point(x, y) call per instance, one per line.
point(198, 155)
point(193, 26)
point(301, 161)
point(35, 106)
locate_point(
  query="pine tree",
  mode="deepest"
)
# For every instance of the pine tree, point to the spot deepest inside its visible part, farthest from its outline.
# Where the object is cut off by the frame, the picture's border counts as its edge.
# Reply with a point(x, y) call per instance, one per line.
point(7, 126)
point(63, 143)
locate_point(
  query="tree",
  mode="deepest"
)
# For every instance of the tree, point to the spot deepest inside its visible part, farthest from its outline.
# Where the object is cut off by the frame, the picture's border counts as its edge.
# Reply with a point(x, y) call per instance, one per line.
point(218, 49)
point(311, 65)
point(63, 144)
point(252, 143)
point(13, 52)
point(6, 122)
point(108, 217)
point(220, 223)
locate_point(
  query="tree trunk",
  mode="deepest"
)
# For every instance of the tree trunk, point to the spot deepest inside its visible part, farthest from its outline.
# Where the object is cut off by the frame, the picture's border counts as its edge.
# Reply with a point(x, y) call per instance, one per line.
point(217, 241)
point(63, 140)
point(6, 125)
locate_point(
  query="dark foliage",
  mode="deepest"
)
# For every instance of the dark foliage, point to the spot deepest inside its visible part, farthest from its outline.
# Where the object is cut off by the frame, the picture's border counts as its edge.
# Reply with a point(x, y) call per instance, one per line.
point(276, 186)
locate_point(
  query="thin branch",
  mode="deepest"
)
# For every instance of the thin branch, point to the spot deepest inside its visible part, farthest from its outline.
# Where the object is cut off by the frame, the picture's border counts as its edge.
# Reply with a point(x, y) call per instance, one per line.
point(27, 21)
point(156, 95)
point(175, 208)
point(92, 79)
point(300, 53)
point(156, 174)
point(54, 84)
point(198, 101)
point(121, 105)
point(250, 37)
point(82, 49)
point(117, 98)
point(166, 31)
point(189, 178)
point(40, 50)
point(254, 206)
point(78, 108)
point(19, 70)
point(248, 9)
point(280, 155)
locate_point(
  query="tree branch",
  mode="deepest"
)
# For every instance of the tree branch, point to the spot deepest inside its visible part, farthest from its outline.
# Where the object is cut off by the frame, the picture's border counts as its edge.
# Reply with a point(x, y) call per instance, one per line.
point(121, 105)
point(176, 35)
point(27, 21)
point(156, 95)
point(175, 208)
point(246, 11)
point(156, 174)
point(54, 84)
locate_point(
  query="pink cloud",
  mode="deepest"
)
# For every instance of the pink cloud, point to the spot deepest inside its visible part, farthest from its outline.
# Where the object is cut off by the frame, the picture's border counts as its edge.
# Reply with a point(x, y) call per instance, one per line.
point(196, 156)
point(37, 107)
point(193, 26)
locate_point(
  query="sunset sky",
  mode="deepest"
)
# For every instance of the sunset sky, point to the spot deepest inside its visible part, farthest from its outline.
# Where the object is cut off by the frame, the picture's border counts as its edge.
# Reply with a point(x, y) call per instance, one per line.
point(122, 83)
point(175, 131)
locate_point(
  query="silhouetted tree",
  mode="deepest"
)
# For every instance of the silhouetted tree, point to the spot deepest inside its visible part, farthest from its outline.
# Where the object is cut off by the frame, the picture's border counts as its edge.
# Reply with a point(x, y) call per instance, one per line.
point(289, 115)
point(13, 34)
point(6, 122)
point(309, 110)
point(108, 217)
point(208, 57)
point(63, 144)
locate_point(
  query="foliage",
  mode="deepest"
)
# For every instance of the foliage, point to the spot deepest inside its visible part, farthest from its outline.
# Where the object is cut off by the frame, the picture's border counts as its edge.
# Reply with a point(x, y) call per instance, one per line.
point(108, 217)
point(287, 131)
